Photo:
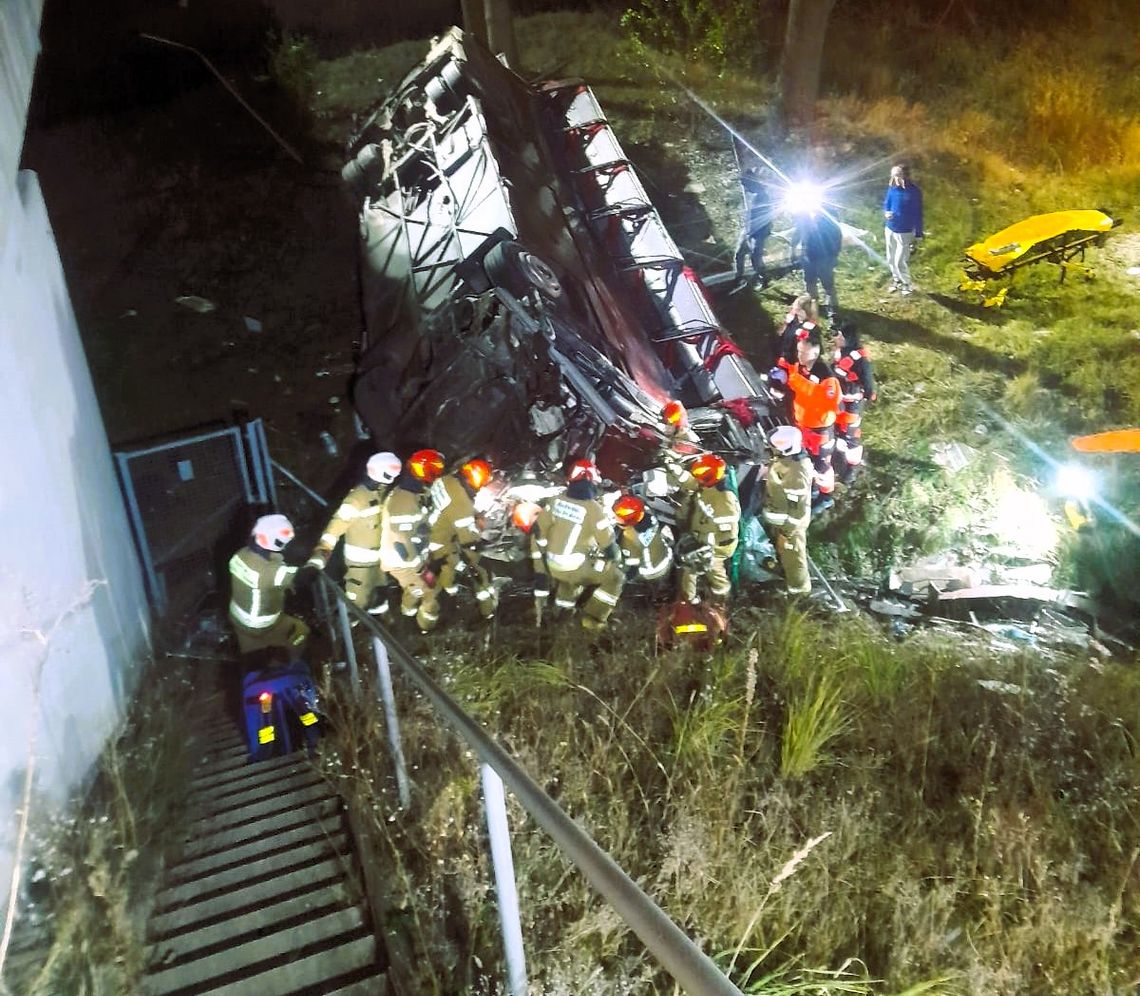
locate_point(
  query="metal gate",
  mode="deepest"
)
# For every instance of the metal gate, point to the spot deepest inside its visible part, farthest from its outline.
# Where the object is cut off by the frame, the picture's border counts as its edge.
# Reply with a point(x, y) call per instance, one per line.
point(187, 499)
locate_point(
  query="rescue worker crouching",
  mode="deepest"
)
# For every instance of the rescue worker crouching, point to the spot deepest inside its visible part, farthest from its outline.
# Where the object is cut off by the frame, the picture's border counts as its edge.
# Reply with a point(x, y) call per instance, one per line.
point(815, 405)
point(259, 579)
point(787, 506)
point(646, 545)
point(572, 547)
point(358, 521)
point(710, 526)
point(857, 383)
point(403, 524)
point(453, 539)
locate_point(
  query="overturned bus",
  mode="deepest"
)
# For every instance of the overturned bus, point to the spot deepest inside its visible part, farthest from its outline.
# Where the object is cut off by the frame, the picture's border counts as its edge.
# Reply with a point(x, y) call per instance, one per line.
point(522, 297)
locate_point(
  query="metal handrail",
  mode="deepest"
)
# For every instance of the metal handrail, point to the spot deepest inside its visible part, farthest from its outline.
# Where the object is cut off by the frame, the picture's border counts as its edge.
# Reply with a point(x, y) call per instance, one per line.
point(690, 966)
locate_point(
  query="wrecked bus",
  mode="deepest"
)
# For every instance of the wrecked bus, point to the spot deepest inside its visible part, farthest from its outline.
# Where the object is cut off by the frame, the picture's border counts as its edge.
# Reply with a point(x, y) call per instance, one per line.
point(522, 298)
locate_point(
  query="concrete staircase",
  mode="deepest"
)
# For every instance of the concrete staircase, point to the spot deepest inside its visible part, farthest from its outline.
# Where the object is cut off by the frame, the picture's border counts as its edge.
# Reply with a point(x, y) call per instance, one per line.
point(265, 899)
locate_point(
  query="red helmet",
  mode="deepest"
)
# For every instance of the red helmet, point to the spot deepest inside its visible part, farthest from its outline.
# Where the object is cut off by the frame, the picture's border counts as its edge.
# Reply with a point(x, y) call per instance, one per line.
point(476, 473)
point(629, 510)
point(708, 469)
point(583, 470)
point(524, 515)
point(426, 465)
point(674, 414)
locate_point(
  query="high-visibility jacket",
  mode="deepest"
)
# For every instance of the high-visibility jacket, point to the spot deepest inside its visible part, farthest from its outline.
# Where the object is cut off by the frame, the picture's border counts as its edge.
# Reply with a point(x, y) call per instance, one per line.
point(258, 582)
point(713, 516)
point(816, 394)
point(357, 519)
point(787, 497)
point(451, 520)
point(568, 532)
point(648, 548)
point(403, 522)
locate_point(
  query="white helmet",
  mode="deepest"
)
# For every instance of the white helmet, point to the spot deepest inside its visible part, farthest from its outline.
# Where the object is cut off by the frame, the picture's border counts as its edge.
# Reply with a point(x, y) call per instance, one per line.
point(787, 440)
point(272, 532)
point(383, 468)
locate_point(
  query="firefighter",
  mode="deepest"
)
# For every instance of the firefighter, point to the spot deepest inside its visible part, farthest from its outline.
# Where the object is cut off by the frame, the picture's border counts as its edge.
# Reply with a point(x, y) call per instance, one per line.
point(453, 539)
point(787, 506)
point(801, 322)
point(572, 545)
point(815, 408)
point(259, 578)
point(357, 520)
point(857, 383)
point(403, 527)
point(646, 545)
point(710, 526)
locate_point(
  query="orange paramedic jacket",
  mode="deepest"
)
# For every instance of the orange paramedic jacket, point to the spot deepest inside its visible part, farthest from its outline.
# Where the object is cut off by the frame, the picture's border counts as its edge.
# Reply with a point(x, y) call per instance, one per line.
point(816, 395)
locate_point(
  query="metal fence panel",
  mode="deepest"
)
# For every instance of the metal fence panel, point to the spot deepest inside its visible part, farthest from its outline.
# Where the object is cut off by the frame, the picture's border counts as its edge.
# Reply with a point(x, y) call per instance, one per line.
point(184, 497)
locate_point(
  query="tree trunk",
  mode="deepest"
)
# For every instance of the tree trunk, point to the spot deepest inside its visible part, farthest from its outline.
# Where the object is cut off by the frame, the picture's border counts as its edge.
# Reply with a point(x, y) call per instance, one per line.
point(802, 60)
point(474, 19)
point(501, 30)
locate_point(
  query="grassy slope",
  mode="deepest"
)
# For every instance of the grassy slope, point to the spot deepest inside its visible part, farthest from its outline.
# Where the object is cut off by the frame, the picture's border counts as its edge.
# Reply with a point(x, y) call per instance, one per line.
point(982, 832)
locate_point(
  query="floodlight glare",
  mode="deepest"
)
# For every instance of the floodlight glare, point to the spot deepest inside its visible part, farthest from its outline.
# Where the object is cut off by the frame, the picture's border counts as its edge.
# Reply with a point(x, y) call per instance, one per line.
point(803, 197)
point(1074, 482)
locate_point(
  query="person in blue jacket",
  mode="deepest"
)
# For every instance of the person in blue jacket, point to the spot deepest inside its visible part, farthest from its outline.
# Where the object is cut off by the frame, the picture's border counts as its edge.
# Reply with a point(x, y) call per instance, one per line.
point(902, 212)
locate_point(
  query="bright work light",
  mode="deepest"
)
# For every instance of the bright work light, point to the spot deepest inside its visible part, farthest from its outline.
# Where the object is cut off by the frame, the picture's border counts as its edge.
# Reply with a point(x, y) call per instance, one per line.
point(803, 197)
point(1074, 482)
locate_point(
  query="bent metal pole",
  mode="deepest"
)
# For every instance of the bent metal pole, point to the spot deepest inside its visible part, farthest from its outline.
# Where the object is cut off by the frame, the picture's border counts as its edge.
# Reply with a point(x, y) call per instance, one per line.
point(691, 967)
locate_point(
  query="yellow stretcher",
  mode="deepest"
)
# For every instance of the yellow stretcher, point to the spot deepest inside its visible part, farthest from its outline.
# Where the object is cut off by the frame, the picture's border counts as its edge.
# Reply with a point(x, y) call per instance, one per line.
point(1060, 237)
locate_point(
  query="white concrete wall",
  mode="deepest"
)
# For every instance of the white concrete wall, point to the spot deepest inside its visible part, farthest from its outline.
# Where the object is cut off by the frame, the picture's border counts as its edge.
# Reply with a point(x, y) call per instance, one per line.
point(73, 614)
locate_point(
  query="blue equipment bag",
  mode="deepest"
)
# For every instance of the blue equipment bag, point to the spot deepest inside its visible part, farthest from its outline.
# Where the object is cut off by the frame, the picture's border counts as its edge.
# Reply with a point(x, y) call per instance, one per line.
point(279, 705)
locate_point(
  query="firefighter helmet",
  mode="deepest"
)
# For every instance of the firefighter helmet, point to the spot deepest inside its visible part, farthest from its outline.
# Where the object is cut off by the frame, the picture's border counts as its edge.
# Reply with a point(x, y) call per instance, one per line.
point(272, 532)
point(708, 469)
point(787, 440)
point(383, 468)
point(629, 510)
point(426, 465)
point(675, 415)
point(476, 473)
point(584, 470)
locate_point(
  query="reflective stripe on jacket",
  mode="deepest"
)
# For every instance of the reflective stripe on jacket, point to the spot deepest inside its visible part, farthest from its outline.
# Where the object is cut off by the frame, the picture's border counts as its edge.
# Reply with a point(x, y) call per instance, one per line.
point(257, 587)
point(452, 516)
point(787, 497)
point(357, 519)
point(714, 518)
point(401, 526)
point(649, 550)
point(568, 531)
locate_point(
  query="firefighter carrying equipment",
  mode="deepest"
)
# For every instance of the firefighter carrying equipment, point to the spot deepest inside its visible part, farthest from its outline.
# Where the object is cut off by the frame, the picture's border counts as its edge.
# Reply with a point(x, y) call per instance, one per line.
point(787, 515)
point(712, 517)
point(383, 468)
point(403, 525)
point(272, 532)
point(259, 579)
point(572, 542)
point(453, 537)
point(426, 465)
point(358, 520)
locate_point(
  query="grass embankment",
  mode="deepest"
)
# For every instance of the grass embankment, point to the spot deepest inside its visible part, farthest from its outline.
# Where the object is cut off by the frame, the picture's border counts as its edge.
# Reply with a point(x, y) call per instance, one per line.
point(819, 799)
point(815, 798)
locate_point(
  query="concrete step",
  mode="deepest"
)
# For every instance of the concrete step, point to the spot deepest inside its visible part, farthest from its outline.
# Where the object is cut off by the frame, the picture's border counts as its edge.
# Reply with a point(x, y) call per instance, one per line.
point(253, 850)
point(261, 809)
point(262, 920)
point(287, 781)
point(314, 973)
point(242, 900)
point(210, 780)
point(249, 872)
point(267, 953)
point(323, 811)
